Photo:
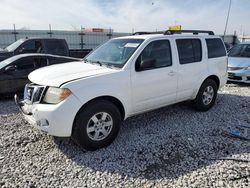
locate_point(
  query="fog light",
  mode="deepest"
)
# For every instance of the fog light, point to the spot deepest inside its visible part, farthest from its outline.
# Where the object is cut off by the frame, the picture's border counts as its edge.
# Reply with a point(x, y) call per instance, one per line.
point(38, 123)
point(43, 123)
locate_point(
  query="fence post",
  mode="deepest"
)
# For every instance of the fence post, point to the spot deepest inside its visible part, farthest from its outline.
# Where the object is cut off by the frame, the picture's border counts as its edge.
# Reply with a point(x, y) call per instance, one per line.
point(109, 34)
point(50, 32)
point(81, 34)
point(15, 32)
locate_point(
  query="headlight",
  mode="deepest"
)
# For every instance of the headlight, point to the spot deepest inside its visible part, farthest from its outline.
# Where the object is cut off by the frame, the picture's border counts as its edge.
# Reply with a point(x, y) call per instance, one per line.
point(55, 95)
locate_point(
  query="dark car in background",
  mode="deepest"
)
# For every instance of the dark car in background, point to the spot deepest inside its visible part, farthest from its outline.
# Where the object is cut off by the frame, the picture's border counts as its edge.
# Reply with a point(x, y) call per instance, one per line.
point(41, 45)
point(14, 71)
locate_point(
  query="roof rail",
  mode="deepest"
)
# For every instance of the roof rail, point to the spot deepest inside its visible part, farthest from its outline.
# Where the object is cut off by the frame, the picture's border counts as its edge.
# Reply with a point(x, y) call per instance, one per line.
point(195, 32)
point(147, 33)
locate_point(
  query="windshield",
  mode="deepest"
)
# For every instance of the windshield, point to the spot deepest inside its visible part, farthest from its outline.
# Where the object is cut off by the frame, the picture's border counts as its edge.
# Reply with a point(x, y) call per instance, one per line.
point(5, 62)
point(14, 45)
point(115, 52)
point(241, 50)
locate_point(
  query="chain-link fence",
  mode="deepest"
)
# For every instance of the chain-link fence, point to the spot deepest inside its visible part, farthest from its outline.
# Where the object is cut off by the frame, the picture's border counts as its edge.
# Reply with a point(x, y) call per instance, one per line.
point(75, 39)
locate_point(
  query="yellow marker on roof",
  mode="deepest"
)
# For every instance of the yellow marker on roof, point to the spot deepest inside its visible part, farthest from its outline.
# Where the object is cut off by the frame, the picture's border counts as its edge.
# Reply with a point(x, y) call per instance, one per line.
point(174, 27)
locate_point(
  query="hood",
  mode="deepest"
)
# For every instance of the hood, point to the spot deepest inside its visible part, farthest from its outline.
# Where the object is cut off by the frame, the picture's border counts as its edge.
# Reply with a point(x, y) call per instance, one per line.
point(238, 62)
point(4, 55)
point(56, 75)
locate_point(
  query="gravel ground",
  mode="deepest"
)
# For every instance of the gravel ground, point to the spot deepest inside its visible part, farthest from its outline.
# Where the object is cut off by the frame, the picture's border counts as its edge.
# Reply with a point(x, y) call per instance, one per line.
point(170, 147)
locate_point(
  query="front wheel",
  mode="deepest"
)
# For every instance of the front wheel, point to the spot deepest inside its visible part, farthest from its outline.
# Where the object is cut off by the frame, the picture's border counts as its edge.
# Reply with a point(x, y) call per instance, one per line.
point(206, 96)
point(96, 125)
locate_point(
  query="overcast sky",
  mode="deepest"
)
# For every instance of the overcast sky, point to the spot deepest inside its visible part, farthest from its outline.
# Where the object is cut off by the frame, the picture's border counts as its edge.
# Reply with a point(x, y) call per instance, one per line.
point(124, 15)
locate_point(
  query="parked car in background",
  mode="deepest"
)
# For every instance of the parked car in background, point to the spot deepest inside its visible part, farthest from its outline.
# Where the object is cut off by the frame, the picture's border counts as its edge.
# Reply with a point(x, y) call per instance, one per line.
point(14, 71)
point(41, 45)
point(239, 63)
point(124, 77)
point(228, 46)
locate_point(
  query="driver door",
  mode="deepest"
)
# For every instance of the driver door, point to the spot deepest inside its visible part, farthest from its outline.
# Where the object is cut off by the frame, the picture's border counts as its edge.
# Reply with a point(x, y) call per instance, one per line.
point(156, 85)
point(15, 79)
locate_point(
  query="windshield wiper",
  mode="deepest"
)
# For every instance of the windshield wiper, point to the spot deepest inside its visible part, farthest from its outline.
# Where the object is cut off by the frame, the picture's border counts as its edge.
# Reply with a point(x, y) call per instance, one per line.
point(97, 62)
point(92, 62)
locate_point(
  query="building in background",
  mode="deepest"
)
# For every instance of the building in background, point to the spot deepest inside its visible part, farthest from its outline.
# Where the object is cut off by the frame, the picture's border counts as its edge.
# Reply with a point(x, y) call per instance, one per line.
point(244, 38)
point(97, 30)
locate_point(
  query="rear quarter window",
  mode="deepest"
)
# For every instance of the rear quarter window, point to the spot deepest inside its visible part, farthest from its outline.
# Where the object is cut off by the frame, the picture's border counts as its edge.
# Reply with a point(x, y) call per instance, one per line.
point(215, 48)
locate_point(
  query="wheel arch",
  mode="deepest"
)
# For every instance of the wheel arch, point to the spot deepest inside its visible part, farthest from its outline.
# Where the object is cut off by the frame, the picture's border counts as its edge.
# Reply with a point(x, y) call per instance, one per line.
point(212, 77)
point(112, 99)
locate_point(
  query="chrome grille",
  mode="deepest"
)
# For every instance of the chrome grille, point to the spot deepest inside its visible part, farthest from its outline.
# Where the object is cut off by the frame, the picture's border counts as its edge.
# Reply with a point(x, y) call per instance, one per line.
point(234, 68)
point(33, 93)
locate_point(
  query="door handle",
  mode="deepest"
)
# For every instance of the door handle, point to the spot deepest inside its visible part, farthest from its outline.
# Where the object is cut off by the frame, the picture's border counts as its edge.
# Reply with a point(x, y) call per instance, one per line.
point(171, 73)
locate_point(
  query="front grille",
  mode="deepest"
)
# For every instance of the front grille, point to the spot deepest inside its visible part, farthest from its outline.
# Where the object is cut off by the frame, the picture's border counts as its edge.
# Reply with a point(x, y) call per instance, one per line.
point(33, 93)
point(234, 68)
point(236, 78)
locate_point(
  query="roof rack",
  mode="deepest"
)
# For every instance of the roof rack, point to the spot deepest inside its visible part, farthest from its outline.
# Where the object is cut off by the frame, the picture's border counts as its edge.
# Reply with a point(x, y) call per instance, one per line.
point(195, 32)
point(147, 33)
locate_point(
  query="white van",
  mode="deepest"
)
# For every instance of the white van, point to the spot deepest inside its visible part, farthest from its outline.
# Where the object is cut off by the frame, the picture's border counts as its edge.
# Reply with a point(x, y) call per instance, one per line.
point(123, 77)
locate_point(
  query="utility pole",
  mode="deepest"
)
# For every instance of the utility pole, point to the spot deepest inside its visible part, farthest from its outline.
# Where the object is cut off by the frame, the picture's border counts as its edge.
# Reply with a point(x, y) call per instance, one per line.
point(228, 13)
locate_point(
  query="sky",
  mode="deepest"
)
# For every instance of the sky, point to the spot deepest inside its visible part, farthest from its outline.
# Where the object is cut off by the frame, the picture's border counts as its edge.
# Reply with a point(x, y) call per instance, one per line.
point(126, 15)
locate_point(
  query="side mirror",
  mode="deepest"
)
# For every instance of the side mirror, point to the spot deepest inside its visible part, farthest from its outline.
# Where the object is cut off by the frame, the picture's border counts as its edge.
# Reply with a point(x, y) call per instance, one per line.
point(145, 64)
point(10, 68)
point(21, 50)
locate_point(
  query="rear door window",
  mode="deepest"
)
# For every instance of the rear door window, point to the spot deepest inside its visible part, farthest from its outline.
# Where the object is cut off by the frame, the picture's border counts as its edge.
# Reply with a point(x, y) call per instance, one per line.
point(56, 47)
point(215, 48)
point(189, 50)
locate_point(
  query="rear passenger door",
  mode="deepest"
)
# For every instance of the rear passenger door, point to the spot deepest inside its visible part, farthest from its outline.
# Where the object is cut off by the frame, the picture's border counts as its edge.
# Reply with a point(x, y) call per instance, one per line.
point(154, 87)
point(191, 66)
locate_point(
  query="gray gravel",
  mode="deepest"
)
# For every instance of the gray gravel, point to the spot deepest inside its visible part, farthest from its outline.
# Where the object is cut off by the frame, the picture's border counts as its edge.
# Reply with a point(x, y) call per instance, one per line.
point(170, 147)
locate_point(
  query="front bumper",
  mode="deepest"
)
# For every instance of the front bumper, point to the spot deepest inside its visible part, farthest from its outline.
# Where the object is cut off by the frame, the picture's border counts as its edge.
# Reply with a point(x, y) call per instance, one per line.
point(56, 120)
point(242, 76)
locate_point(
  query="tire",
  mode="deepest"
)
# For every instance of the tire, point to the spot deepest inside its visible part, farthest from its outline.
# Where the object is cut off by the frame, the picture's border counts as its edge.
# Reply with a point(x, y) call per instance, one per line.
point(96, 125)
point(206, 96)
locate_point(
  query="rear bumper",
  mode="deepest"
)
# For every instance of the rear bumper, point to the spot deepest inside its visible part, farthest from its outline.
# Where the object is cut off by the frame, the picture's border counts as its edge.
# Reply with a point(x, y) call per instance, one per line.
point(55, 120)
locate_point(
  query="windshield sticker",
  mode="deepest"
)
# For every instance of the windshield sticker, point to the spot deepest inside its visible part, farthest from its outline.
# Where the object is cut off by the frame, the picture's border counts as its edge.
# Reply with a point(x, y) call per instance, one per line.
point(132, 45)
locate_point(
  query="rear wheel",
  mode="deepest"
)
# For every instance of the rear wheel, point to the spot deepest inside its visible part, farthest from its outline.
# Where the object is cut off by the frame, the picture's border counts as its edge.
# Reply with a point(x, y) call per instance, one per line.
point(206, 96)
point(96, 125)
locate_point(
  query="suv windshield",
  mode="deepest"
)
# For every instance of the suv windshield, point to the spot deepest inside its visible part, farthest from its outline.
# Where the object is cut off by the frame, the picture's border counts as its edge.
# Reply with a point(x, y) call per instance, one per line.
point(14, 45)
point(115, 52)
point(241, 50)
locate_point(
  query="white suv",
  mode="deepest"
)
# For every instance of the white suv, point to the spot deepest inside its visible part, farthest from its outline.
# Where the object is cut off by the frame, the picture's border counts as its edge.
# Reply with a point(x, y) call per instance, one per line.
point(123, 77)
